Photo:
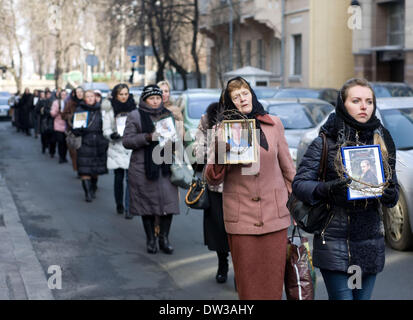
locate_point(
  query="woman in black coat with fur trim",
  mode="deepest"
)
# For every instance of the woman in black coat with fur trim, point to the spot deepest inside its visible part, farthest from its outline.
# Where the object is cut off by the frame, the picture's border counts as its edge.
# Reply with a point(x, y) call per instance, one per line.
point(353, 236)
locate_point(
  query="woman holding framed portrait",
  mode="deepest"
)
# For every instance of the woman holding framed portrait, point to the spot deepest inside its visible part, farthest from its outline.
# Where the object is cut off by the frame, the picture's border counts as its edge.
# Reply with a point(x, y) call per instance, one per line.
point(255, 195)
point(151, 192)
point(353, 235)
point(115, 110)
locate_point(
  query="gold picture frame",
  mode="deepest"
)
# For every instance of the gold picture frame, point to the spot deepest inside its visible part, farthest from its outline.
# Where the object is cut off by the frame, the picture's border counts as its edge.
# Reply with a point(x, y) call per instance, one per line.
point(241, 136)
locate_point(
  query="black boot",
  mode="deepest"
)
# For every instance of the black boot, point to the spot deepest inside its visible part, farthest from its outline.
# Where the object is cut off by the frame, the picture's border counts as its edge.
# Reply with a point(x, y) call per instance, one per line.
point(149, 226)
point(222, 273)
point(94, 187)
point(128, 216)
point(86, 184)
point(164, 227)
point(120, 209)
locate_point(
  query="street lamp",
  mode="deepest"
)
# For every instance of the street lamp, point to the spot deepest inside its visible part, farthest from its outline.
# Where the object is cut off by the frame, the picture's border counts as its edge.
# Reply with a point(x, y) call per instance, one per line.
point(124, 14)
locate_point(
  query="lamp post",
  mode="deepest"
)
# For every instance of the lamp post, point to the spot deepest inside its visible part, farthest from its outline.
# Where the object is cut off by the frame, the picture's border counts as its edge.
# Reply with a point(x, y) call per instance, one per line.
point(231, 18)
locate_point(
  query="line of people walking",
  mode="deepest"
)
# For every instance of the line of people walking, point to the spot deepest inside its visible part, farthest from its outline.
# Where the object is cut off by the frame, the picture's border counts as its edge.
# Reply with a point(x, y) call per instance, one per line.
point(248, 215)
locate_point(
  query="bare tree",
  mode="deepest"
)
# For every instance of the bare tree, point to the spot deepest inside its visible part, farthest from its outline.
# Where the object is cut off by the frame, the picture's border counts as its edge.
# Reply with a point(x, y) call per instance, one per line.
point(12, 42)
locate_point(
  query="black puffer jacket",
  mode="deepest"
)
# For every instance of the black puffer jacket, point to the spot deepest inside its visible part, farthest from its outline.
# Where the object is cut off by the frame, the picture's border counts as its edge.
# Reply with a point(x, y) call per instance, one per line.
point(92, 155)
point(354, 234)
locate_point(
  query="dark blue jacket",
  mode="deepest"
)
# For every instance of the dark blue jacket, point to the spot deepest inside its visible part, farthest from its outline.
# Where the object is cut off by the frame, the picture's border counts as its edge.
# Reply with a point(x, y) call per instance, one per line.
point(354, 233)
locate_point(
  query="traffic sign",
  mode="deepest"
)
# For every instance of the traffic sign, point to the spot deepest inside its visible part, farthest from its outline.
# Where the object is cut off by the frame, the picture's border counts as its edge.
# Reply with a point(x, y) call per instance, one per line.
point(92, 60)
point(133, 59)
point(138, 51)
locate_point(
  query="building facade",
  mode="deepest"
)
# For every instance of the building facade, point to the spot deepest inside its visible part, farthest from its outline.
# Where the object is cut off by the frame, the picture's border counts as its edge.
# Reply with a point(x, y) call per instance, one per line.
point(383, 47)
point(317, 47)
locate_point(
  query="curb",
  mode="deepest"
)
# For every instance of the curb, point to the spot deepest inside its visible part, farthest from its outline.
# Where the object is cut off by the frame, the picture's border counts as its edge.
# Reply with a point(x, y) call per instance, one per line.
point(21, 275)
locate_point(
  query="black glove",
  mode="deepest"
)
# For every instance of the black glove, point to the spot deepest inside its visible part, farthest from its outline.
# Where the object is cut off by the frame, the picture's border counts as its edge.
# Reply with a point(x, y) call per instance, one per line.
point(78, 132)
point(115, 136)
point(390, 195)
point(328, 189)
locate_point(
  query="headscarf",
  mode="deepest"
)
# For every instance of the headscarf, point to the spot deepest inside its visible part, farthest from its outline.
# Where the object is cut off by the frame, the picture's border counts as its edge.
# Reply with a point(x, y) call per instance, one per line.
point(257, 110)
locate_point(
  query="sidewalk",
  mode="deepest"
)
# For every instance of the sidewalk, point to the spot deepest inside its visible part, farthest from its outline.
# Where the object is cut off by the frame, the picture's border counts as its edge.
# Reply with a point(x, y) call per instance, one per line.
point(21, 275)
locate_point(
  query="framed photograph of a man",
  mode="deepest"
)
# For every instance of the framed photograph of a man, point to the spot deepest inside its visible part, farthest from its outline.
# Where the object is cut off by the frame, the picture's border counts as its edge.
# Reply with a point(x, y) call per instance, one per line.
point(165, 128)
point(241, 136)
point(364, 165)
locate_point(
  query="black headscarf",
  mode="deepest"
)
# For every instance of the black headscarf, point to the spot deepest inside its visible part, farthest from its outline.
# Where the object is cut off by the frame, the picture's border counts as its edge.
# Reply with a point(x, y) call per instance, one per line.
point(74, 97)
point(151, 168)
point(257, 110)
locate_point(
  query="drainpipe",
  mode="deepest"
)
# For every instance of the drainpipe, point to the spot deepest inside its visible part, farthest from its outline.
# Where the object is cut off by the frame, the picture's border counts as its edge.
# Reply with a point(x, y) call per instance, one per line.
point(282, 43)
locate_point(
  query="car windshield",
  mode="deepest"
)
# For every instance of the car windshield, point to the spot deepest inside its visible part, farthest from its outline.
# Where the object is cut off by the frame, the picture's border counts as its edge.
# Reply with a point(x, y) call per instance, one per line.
point(198, 105)
point(400, 124)
point(392, 91)
point(300, 116)
point(4, 101)
point(4, 94)
point(297, 94)
point(265, 93)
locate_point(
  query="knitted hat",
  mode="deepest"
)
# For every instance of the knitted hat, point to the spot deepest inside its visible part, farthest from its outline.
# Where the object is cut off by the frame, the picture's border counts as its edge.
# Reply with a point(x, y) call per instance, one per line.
point(151, 90)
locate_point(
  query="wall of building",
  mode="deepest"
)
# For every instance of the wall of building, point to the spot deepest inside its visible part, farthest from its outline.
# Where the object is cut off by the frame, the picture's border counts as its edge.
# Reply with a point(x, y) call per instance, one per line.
point(330, 53)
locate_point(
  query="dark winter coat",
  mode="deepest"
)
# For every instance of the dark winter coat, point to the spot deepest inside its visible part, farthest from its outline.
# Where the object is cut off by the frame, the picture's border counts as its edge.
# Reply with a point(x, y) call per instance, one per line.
point(43, 109)
point(354, 234)
point(92, 155)
point(147, 197)
point(24, 108)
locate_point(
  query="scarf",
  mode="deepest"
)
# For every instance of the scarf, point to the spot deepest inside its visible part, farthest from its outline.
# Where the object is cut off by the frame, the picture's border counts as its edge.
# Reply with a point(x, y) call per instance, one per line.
point(257, 110)
point(151, 168)
point(119, 107)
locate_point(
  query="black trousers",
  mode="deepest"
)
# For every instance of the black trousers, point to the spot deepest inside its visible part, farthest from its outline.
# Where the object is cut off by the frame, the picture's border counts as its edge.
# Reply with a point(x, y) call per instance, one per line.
point(46, 138)
point(59, 139)
point(120, 175)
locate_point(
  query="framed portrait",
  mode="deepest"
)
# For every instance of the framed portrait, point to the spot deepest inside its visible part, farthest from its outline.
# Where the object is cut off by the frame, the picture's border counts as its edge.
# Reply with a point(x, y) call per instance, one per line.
point(120, 123)
point(166, 130)
point(364, 164)
point(241, 136)
point(80, 119)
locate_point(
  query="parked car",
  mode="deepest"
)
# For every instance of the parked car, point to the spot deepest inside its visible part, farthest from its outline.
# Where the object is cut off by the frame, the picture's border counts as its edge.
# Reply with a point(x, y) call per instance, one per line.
point(326, 94)
point(175, 94)
point(396, 115)
point(391, 89)
point(103, 87)
point(266, 92)
point(193, 103)
point(136, 91)
point(298, 117)
point(5, 94)
point(4, 107)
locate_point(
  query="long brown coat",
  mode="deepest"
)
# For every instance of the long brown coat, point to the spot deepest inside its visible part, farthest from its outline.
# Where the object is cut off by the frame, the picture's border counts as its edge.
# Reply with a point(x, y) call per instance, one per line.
point(147, 197)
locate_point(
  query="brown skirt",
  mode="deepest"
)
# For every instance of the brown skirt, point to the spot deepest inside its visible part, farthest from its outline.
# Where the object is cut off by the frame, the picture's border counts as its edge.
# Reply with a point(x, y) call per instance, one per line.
point(259, 264)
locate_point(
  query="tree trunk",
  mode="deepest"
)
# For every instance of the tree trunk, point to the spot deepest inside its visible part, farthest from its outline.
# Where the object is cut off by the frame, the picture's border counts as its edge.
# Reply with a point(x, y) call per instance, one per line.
point(194, 53)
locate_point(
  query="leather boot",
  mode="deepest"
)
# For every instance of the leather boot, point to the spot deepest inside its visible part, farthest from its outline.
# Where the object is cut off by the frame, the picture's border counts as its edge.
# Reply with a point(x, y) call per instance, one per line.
point(222, 273)
point(94, 187)
point(86, 184)
point(164, 227)
point(148, 225)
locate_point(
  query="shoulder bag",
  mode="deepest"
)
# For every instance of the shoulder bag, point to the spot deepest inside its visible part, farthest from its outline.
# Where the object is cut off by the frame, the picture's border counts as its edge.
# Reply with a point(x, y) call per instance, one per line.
point(197, 196)
point(311, 218)
point(73, 141)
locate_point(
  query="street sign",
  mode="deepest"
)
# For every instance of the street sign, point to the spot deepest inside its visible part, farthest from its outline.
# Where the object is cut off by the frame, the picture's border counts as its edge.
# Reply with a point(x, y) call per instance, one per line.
point(92, 60)
point(133, 59)
point(138, 51)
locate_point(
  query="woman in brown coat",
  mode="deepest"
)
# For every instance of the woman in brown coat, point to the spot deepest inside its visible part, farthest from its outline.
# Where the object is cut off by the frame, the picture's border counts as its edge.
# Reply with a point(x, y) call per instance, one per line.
point(151, 191)
point(254, 199)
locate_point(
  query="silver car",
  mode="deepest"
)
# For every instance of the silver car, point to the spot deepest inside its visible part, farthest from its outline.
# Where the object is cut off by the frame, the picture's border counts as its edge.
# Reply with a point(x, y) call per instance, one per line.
point(297, 116)
point(396, 115)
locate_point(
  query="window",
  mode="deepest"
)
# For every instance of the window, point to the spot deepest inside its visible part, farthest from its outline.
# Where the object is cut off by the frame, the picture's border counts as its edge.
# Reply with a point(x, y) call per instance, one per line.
point(395, 24)
point(296, 55)
point(261, 54)
point(248, 52)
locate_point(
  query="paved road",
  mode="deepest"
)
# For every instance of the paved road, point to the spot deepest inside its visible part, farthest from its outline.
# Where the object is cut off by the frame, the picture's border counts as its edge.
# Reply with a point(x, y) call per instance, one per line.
point(101, 254)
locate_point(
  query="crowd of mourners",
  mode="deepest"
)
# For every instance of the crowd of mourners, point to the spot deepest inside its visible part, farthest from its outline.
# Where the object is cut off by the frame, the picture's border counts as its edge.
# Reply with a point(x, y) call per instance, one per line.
point(247, 216)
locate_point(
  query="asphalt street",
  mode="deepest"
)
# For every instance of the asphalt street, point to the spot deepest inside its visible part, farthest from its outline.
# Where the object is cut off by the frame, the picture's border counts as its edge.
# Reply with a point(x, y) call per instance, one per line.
point(102, 255)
